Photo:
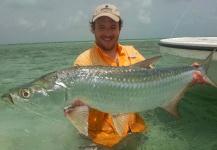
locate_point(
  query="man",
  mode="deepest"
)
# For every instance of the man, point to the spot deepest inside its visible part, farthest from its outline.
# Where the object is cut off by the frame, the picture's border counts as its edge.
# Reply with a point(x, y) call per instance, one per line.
point(106, 26)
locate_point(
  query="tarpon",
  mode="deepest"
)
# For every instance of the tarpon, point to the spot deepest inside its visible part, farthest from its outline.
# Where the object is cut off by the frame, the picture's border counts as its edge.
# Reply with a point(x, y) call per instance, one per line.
point(114, 90)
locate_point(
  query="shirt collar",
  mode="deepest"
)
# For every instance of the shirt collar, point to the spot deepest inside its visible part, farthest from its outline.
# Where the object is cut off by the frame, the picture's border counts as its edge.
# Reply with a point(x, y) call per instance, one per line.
point(119, 46)
point(121, 54)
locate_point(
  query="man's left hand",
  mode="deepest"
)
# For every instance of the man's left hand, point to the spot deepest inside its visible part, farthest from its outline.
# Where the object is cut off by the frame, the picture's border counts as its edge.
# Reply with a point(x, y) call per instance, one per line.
point(198, 78)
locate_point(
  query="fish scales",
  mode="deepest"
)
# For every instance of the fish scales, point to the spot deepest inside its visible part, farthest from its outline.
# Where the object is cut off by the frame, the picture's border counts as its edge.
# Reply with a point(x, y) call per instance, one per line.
point(125, 89)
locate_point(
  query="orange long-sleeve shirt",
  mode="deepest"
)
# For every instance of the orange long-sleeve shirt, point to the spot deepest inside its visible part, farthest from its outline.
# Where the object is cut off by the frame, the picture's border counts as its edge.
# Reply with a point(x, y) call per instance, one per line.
point(100, 125)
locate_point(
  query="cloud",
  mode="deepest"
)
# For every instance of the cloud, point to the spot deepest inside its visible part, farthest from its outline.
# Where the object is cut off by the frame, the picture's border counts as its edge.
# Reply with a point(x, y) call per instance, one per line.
point(139, 9)
point(78, 21)
point(54, 20)
point(43, 24)
point(24, 23)
point(145, 3)
point(21, 3)
point(144, 16)
point(174, 1)
point(29, 25)
point(3, 27)
point(144, 11)
point(31, 5)
point(78, 18)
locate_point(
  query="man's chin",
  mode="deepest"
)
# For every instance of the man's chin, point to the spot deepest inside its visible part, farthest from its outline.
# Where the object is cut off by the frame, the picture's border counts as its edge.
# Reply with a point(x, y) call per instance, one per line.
point(108, 48)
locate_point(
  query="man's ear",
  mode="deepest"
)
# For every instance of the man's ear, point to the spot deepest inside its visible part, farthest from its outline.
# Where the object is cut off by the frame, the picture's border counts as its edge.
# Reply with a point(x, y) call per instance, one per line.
point(120, 28)
point(93, 29)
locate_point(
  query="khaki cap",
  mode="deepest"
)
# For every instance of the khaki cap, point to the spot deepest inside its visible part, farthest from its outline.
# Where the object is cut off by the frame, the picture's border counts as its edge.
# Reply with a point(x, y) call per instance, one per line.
point(108, 10)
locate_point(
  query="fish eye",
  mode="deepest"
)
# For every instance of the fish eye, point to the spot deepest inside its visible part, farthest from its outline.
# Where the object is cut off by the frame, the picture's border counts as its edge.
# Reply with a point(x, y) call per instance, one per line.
point(25, 93)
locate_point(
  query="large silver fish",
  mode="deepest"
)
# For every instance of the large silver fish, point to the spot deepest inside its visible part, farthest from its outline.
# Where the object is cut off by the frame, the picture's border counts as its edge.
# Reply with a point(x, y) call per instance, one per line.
point(115, 90)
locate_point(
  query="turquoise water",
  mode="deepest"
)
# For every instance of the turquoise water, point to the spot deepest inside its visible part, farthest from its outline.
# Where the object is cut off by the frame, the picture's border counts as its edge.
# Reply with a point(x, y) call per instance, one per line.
point(48, 129)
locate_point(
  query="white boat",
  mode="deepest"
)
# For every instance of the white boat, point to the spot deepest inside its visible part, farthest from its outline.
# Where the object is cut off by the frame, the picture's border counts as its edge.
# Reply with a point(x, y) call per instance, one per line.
point(192, 47)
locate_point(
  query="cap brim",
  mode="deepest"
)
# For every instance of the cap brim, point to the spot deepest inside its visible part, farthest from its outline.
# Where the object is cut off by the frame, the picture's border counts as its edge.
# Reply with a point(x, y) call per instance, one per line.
point(113, 17)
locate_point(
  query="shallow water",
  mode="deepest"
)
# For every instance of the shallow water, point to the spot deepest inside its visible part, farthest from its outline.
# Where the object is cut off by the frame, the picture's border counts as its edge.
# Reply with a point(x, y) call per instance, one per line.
point(49, 129)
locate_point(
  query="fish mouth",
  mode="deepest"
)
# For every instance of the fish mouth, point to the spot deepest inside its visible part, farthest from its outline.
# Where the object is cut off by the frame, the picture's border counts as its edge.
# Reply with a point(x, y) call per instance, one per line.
point(8, 98)
point(68, 108)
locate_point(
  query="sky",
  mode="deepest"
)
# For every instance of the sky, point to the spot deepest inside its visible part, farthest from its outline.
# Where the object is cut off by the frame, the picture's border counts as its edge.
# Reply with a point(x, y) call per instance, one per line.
point(39, 21)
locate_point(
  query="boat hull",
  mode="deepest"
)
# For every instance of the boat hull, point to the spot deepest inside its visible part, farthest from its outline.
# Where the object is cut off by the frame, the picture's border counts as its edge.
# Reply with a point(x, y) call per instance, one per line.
point(192, 48)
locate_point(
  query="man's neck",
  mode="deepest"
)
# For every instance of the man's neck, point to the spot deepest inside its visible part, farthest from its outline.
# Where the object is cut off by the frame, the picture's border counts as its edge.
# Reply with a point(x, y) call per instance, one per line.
point(111, 53)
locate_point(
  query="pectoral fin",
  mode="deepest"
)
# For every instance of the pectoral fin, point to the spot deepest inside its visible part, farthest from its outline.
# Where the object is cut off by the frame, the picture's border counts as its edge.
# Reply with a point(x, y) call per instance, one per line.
point(120, 121)
point(79, 117)
point(172, 106)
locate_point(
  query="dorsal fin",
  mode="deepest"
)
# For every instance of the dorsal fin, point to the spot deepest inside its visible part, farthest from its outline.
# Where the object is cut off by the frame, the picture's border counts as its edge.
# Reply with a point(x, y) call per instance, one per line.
point(146, 63)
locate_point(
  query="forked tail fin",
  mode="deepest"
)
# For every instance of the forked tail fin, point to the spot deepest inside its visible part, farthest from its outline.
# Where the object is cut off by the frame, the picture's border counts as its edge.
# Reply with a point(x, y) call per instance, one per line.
point(172, 106)
point(206, 64)
point(208, 60)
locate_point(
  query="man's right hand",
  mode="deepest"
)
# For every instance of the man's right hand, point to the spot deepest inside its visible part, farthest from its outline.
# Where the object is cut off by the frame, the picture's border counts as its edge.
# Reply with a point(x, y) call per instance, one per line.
point(78, 103)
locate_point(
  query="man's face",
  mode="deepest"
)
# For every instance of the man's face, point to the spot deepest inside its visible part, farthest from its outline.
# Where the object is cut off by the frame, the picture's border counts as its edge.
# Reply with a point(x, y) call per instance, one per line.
point(106, 33)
